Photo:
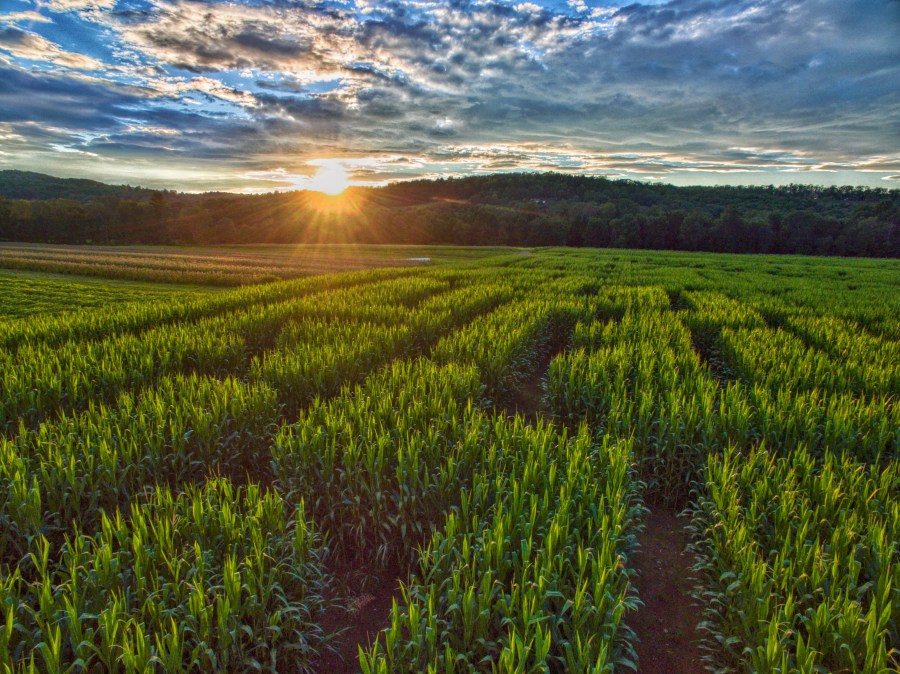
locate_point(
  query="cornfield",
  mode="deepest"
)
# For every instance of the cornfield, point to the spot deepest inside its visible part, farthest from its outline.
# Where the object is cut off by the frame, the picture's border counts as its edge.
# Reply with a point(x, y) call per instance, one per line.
point(201, 481)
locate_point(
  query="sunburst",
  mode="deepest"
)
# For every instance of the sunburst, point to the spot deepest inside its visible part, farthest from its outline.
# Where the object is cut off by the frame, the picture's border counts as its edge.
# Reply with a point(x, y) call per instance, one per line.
point(330, 179)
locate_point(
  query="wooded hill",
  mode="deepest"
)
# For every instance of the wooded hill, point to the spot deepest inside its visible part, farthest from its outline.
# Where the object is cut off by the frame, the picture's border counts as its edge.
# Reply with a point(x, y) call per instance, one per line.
point(39, 186)
point(510, 209)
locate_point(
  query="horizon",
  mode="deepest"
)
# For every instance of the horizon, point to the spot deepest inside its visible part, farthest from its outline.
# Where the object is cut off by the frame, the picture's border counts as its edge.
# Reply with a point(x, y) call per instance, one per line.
point(259, 97)
point(338, 192)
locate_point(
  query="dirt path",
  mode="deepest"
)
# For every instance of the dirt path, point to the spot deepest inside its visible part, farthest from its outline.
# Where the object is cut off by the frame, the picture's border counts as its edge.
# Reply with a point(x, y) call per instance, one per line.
point(666, 625)
point(526, 399)
point(367, 614)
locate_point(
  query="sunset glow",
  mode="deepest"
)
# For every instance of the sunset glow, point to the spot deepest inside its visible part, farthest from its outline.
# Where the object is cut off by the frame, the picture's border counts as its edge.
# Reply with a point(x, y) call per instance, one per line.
point(331, 179)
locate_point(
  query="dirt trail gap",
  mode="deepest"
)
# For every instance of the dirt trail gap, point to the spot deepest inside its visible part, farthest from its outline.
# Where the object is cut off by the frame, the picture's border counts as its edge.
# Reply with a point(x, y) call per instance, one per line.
point(527, 400)
point(666, 625)
point(368, 612)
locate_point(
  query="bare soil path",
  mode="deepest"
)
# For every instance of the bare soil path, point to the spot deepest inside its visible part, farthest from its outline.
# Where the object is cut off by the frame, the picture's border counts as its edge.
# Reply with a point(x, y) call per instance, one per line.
point(526, 399)
point(666, 625)
point(367, 613)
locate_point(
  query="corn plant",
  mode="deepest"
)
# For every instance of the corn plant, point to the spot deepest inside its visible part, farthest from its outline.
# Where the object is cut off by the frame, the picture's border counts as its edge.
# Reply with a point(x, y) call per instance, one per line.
point(75, 469)
point(382, 460)
point(801, 563)
point(216, 578)
point(761, 392)
point(529, 573)
point(639, 378)
point(136, 317)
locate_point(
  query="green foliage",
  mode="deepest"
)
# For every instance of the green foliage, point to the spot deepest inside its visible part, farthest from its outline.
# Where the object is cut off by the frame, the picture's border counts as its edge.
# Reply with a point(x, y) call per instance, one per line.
point(31, 185)
point(379, 464)
point(549, 209)
point(222, 265)
point(136, 535)
point(29, 294)
point(216, 578)
point(528, 573)
point(73, 470)
point(640, 378)
point(801, 562)
point(133, 318)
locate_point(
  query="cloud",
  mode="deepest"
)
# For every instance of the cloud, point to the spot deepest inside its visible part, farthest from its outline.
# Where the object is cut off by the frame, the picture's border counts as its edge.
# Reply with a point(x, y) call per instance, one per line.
point(194, 36)
point(207, 86)
point(77, 5)
point(687, 89)
point(26, 45)
point(50, 101)
point(24, 17)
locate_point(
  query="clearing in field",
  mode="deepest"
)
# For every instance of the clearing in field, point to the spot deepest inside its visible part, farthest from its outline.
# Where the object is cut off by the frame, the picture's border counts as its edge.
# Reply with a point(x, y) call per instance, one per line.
point(564, 461)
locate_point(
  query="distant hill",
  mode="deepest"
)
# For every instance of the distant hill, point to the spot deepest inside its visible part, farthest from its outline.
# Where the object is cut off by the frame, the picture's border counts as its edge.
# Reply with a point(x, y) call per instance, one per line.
point(530, 209)
point(39, 186)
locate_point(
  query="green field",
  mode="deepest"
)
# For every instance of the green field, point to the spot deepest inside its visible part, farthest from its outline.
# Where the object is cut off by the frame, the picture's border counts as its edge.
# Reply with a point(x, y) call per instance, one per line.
point(227, 265)
point(30, 293)
point(450, 466)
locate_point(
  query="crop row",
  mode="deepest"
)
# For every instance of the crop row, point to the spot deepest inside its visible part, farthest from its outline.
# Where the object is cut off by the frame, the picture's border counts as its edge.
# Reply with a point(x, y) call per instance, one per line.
point(75, 475)
point(529, 572)
point(384, 462)
point(215, 578)
point(70, 469)
point(375, 408)
point(136, 317)
point(793, 391)
point(281, 267)
point(112, 269)
point(197, 269)
point(639, 378)
point(39, 381)
point(405, 437)
point(789, 463)
point(800, 561)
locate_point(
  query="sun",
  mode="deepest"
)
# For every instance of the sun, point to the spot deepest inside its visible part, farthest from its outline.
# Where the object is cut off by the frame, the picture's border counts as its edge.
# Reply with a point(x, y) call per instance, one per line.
point(331, 179)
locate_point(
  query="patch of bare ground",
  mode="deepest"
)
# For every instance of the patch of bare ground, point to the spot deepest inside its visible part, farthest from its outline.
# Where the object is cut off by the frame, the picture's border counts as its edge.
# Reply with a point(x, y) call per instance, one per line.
point(365, 610)
point(666, 625)
point(527, 399)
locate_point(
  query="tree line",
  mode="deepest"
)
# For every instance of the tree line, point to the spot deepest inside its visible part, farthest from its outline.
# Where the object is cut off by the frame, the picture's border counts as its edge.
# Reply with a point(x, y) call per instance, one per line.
point(503, 209)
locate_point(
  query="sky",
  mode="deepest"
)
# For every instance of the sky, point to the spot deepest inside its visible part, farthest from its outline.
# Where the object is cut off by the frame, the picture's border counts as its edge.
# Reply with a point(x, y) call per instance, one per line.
point(257, 95)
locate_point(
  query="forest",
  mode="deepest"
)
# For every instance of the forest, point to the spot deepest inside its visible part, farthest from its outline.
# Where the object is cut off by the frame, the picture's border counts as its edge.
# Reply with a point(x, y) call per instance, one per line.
point(548, 209)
